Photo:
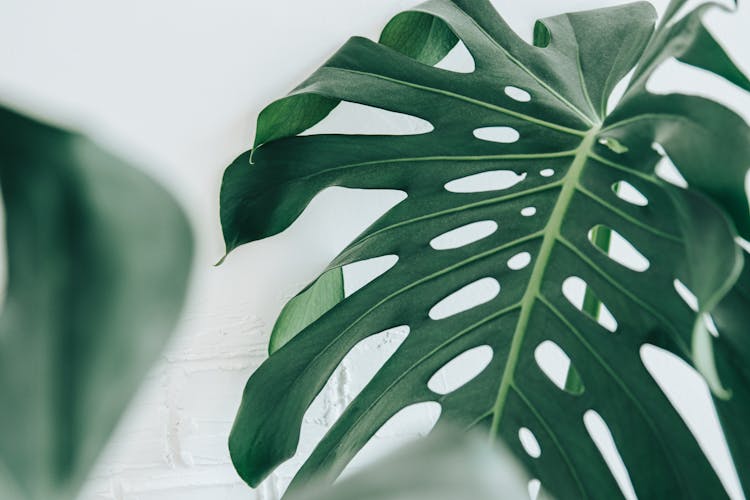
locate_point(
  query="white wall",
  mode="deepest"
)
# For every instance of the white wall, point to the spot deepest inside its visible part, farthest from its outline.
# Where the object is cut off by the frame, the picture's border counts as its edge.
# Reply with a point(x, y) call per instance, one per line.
point(177, 84)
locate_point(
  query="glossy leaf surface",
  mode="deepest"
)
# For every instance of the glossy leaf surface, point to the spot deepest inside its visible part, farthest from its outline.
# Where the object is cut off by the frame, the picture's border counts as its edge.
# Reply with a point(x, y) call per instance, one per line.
point(571, 155)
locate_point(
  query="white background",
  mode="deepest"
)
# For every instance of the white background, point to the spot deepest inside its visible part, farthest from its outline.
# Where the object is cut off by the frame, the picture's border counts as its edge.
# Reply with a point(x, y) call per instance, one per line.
point(176, 85)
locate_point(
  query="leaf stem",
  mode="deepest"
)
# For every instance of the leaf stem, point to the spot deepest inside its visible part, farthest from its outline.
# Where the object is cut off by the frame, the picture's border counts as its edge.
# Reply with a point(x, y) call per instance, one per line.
point(551, 234)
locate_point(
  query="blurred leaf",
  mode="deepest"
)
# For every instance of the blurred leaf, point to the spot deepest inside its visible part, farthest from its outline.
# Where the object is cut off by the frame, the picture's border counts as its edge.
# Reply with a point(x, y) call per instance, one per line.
point(98, 261)
point(445, 466)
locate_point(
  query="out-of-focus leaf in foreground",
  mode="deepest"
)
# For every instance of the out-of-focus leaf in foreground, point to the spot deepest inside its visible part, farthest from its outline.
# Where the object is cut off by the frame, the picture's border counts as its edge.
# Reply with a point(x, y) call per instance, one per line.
point(98, 260)
point(446, 466)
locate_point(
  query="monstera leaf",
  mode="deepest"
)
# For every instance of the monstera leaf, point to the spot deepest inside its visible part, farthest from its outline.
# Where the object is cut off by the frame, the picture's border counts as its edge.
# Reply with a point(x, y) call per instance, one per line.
point(98, 258)
point(585, 175)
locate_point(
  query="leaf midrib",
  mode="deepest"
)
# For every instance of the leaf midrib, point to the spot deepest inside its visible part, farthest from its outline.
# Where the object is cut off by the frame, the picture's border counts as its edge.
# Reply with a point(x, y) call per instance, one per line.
point(551, 234)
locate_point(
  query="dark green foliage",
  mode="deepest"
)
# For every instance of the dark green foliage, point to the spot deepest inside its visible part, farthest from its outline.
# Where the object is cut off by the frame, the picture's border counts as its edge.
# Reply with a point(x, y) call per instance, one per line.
point(686, 234)
point(98, 260)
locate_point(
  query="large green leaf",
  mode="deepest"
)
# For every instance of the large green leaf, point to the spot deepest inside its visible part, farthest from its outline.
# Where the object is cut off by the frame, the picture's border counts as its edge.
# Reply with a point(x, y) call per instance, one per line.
point(575, 158)
point(98, 259)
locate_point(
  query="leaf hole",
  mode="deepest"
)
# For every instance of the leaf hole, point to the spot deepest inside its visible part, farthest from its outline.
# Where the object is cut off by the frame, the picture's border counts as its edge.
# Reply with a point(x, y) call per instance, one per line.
point(547, 172)
point(458, 60)
point(517, 94)
point(361, 273)
point(708, 320)
point(619, 91)
point(519, 261)
point(464, 235)
point(460, 370)
point(529, 442)
point(620, 250)
point(689, 394)
point(467, 297)
point(575, 290)
point(405, 426)
point(666, 170)
point(626, 192)
point(503, 135)
point(528, 211)
point(686, 295)
point(368, 356)
point(602, 438)
point(534, 487)
point(555, 364)
point(350, 118)
point(494, 180)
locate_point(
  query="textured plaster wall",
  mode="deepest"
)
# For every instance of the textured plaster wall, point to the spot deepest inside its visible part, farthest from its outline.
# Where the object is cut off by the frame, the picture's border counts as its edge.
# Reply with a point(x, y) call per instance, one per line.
point(177, 84)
